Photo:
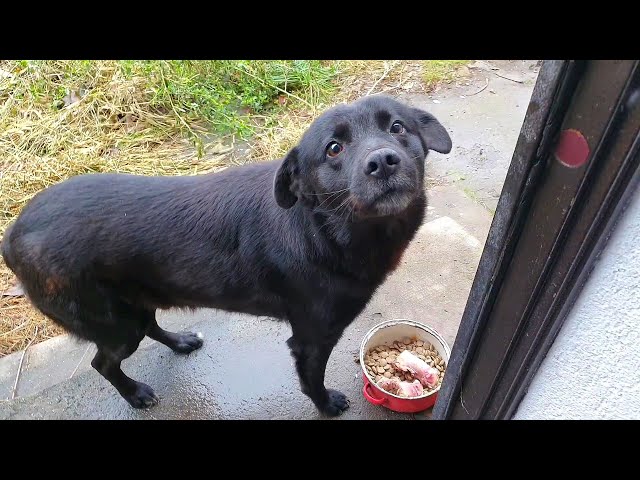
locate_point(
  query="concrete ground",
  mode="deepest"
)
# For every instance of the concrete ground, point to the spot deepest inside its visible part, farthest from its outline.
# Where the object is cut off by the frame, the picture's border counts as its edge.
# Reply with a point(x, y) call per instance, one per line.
point(484, 126)
point(244, 370)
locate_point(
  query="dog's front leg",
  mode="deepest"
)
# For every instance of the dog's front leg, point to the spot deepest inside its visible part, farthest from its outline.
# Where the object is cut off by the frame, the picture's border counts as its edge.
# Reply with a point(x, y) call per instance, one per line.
point(311, 358)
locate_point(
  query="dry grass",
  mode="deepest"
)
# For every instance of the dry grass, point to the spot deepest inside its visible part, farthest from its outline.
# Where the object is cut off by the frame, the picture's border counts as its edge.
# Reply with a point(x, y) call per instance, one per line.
point(354, 79)
point(437, 71)
point(118, 127)
point(20, 323)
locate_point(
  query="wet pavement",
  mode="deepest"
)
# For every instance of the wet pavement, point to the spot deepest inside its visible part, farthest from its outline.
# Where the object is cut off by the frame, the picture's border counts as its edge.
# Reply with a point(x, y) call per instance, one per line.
point(484, 126)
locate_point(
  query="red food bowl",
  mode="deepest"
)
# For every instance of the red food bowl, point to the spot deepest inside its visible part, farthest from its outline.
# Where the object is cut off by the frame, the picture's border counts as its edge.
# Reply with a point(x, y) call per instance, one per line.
point(385, 334)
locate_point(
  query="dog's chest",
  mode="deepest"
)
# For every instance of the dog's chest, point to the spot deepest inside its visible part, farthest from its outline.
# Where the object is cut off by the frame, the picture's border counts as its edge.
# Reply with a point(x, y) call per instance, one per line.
point(375, 253)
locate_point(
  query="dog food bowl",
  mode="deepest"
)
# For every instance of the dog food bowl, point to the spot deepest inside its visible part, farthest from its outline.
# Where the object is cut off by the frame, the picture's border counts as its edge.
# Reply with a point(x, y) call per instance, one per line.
point(385, 334)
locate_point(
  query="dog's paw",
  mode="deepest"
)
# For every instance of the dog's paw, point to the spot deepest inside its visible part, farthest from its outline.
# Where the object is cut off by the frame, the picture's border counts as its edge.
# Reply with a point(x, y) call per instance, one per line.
point(142, 396)
point(337, 403)
point(187, 342)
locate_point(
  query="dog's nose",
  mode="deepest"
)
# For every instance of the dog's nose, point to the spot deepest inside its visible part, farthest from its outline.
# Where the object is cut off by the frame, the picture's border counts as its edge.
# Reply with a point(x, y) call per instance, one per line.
point(381, 163)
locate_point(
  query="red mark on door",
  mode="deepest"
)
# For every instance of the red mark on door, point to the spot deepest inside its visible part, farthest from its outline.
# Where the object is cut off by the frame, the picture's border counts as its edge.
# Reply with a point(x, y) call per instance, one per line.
point(572, 149)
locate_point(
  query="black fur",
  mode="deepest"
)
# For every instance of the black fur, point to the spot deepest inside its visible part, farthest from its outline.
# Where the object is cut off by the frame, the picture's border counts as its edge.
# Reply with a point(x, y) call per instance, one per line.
point(342, 132)
point(307, 239)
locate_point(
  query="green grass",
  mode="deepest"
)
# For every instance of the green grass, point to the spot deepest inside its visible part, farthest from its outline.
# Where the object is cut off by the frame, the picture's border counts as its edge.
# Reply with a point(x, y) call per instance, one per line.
point(222, 92)
point(219, 92)
point(437, 71)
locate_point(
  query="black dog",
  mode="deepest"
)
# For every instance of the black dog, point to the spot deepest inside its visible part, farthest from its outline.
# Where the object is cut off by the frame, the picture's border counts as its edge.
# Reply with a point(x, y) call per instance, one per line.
point(307, 239)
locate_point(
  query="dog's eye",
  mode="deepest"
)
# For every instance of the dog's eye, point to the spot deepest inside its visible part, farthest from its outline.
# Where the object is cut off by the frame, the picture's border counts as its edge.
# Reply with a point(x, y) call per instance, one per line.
point(396, 128)
point(334, 149)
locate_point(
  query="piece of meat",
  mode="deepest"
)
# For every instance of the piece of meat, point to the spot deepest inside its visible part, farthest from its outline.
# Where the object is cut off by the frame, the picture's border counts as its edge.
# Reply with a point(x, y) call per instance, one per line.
point(390, 385)
point(402, 389)
point(413, 389)
point(408, 362)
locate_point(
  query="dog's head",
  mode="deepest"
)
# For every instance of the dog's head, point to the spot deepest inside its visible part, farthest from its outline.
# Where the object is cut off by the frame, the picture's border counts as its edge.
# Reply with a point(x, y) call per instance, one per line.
point(365, 158)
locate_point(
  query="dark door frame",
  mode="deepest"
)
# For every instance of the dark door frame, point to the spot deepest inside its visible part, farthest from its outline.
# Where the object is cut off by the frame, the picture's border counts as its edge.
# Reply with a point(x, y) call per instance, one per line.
point(551, 223)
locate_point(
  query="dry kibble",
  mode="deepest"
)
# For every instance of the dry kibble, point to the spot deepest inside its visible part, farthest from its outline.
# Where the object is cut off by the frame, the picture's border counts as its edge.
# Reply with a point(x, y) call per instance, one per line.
point(380, 361)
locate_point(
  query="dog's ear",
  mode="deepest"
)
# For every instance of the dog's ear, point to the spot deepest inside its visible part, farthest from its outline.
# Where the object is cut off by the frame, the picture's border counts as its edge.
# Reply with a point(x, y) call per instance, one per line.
point(432, 132)
point(284, 185)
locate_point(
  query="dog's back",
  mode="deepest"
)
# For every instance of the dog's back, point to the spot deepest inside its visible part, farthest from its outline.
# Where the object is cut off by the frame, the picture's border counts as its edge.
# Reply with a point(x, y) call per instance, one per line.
point(154, 242)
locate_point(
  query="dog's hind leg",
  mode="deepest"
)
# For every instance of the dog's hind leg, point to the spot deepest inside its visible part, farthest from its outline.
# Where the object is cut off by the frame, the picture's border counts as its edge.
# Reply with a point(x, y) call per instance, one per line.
point(116, 347)
point(135, 324)
point(185, 342)
point(116, 327)
point(107, 361)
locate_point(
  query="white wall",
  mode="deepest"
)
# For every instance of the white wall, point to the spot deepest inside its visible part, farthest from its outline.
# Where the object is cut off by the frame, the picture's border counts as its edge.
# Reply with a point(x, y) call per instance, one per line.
point(592, 370)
